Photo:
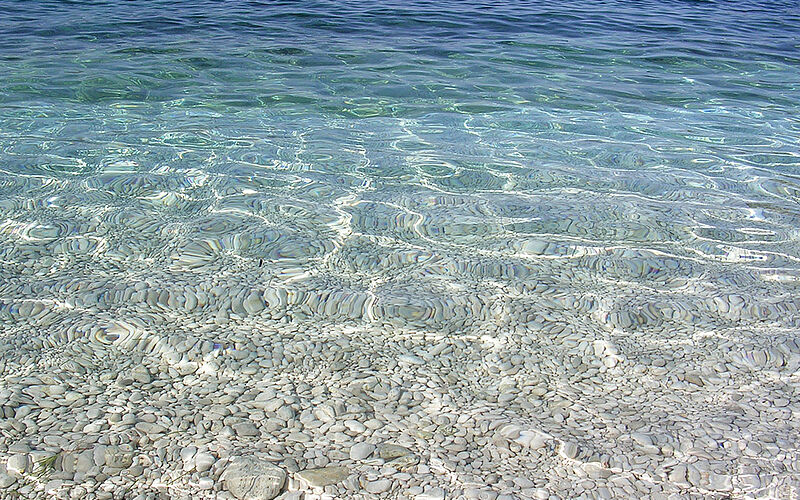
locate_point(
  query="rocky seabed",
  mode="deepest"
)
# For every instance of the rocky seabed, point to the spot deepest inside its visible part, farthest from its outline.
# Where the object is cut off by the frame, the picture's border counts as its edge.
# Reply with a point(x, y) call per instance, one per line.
point(213, 392)
point(159, 342)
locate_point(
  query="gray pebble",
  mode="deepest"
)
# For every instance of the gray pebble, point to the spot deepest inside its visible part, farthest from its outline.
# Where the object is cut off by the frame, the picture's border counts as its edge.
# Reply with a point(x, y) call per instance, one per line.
point(360, 451)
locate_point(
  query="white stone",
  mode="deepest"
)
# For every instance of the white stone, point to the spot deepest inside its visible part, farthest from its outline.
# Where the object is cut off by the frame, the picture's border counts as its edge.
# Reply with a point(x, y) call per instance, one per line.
point(253, 304)
point(719, 482)
point(186, 368)
point(291, 495)
point(188, 453)
point(120, 457)
point(432, 494)
point(300, 437)
point(99, 455)
point(523, 482)
point(52, 486)
point(285, 413)
point(17, 464)
point(246, 429)
point(360, 451)
point(6, 480)
point(378, 486)
point(325, 476)
point(410, 359)
point(642, 439)
point(248, 478)
point(84, 462)
point(203, 461)
point(141, 374)
point(568, 450)
point(355, 426)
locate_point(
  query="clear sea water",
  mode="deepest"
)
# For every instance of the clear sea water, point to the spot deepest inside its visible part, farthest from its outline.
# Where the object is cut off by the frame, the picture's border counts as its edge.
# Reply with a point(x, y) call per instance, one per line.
point(424, 160)
point(544, 177)
point(429, 162)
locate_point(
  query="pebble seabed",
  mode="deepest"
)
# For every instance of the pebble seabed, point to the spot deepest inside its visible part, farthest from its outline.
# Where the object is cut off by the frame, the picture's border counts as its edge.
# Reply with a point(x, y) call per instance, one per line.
point(228, 363)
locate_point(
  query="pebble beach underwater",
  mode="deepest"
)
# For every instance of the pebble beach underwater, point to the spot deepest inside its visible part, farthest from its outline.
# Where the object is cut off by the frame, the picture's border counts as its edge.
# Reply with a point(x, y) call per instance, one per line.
point(414, 250)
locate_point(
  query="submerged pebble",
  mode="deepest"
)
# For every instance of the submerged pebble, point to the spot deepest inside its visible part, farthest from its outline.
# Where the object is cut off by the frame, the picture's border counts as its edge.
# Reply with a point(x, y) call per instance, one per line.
point(313, 256)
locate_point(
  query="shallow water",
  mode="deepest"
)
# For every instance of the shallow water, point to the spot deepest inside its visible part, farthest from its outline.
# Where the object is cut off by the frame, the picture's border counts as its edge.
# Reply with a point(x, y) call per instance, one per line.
point(626, 171)
point(421, 155)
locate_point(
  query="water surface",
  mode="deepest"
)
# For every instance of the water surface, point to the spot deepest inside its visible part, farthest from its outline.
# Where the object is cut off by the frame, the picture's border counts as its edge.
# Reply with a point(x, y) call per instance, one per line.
point(627, 171)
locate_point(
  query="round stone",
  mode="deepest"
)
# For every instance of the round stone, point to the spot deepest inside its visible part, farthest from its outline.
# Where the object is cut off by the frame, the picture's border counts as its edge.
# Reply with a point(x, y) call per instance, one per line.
point(203, 461)
point(392, 451)
point(6, 480)
point(17, 464)
point(379, 486)
point(119, 457)
point(253, 304)
point(361, 451)
point(323, 477)
point(248, 478)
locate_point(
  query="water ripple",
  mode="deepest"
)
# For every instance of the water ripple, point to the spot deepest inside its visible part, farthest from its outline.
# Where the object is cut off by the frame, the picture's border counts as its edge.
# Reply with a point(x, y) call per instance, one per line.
point(624, 171)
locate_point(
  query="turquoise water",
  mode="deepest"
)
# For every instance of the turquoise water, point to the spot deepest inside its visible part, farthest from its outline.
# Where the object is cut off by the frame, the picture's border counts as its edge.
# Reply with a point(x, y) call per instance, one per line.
point(403, 152)
point(619, 172)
